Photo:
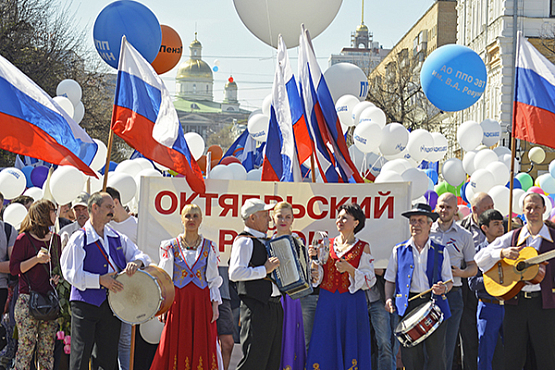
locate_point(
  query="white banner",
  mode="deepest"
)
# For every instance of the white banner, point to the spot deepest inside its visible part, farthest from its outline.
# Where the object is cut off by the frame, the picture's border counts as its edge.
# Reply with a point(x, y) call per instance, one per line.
point(315, 209)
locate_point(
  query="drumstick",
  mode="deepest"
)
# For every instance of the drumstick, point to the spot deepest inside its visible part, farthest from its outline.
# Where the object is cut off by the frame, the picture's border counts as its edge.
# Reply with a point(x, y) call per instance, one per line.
point(428, 291)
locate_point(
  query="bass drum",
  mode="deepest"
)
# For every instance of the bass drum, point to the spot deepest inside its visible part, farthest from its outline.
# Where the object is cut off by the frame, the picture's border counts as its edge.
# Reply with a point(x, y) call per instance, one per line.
point(149, 292)
point(419, 324)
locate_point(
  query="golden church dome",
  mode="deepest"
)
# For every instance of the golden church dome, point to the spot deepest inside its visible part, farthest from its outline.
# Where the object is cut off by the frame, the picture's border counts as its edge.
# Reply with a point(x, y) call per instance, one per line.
point(362, 27)
point(194, 68)
point(195, 44)
point(230, 84)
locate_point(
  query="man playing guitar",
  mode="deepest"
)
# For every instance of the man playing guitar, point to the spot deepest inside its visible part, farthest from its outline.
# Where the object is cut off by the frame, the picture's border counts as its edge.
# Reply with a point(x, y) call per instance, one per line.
point(530, 315)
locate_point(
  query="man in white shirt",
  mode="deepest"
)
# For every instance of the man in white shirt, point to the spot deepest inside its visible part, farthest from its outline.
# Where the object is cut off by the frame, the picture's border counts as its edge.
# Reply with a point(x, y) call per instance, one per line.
point(126, 225)
point(89, 262)
point(458, 241)
point(81, 216)
point(261, 310)
point(415, 266)
point(530, 315)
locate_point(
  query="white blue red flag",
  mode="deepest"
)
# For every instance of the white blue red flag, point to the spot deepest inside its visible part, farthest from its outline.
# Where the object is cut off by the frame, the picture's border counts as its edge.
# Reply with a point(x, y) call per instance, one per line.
point(332, 154)
point(34, 125)
point(534, 106)
point(281, 162)
point(144, 116)
point(244, 148)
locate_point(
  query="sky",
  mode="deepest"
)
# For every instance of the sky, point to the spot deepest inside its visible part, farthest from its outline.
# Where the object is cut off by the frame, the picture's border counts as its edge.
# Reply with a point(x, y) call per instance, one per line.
point(250, 61)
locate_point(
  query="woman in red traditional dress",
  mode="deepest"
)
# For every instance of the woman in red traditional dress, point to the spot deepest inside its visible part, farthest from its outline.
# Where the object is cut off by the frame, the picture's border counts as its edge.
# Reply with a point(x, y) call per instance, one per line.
point(341, 334)
point(189, 338)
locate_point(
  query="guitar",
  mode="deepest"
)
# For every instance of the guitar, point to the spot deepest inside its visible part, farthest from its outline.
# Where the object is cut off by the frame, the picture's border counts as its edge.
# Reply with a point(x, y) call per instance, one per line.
point(507, 277)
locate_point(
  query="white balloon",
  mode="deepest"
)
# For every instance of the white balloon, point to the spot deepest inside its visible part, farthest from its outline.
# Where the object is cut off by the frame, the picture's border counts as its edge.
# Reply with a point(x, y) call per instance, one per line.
point(144, 163)
point(129, 167)
point(221, 172)
point(394, 139)
point(344, 108)
point(375, 163)
point(124, 183)
point(419, 181)
point(517, 204)
point(483, 158)
point(481, 181)
point(469, 135)
point(346, 78)
point(469, 192)
point(35, 193)
point(357, 110)
point(500, 196)
point(266, 105)
point(258, 127)
point(66, 183)
point(99, 159)
point(195, 142)
point(149, 172)
point(536, 155)
point(267, 19)
point(14, 214)
point(65, 104)
point(239, 172)
point(79, 112)
point(151, 331)
point(468, 162)
point(440, 147)
point(548, 207)
point(500, 172)
point(398, 165)
point(12, 182)
point(492, 132)
point(373, 115)
point(254, 175)
point(367, 136)
point(257, 111)
point(71, 90)
point(547, 183)
point(453, 172)
point(388, 176)
point(420, 144)
point(404, 154)
point(500, 150)
point(506, 159)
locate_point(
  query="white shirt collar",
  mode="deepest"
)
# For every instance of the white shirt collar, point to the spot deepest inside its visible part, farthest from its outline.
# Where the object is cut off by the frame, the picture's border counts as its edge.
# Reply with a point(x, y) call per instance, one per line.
point(92, 235)
point(525, 234)
point(426, 247)
point(255, 233)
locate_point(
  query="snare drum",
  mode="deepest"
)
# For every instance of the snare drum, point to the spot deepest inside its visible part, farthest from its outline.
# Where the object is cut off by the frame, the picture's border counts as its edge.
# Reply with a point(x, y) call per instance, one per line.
point(149, 292)
point(419, 324)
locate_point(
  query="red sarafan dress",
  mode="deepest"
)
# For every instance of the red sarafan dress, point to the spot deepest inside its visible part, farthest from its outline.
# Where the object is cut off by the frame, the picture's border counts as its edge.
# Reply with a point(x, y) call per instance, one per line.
point(189, 339)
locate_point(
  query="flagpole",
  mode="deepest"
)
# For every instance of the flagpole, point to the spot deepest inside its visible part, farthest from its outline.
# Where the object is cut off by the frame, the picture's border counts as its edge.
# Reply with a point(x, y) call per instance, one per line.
point(312, 167)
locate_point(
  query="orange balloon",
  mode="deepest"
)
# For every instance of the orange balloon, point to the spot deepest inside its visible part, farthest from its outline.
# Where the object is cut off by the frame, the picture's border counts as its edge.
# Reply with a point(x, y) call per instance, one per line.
point(170, 51)
point(230, 159)
point(202, 163)
point(217, 152)
point(214, 163)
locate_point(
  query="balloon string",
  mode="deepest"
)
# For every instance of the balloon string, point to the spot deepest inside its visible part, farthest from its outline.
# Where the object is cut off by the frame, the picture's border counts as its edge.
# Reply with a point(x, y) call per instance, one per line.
point(269, 25)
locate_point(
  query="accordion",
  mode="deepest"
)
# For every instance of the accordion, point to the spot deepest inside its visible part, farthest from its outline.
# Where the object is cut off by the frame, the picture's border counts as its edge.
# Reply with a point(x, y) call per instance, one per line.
point(293, 274)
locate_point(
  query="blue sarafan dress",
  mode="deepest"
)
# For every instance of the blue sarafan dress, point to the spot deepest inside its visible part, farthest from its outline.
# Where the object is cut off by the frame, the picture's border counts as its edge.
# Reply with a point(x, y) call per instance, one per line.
point(341, 335)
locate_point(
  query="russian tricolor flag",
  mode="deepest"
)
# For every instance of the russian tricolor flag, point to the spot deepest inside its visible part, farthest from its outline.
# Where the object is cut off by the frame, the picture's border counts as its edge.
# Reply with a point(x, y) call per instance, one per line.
point(144, 116)
point(280, 161)
point(534, 106)
point(332, 154)
point(34, 125)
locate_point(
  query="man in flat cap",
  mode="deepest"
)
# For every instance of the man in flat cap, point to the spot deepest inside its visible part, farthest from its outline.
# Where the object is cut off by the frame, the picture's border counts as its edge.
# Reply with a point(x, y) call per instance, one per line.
point(261, 310)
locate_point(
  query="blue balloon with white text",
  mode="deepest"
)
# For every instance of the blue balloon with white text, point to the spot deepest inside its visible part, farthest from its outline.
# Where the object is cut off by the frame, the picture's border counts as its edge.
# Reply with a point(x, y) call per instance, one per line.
point(132, 19)
point(453, 77)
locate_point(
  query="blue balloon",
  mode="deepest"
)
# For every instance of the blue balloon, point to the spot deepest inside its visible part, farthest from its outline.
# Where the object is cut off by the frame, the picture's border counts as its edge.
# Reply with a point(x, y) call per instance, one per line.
point(215, 68)
point(453, 77)
point(39, 175)
point(432, 174)
point(132, 19)
point(27, 172)
point(516, 184)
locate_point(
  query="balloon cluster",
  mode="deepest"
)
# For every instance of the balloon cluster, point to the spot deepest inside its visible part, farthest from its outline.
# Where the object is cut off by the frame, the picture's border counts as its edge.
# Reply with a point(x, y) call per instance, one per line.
point(68, 97)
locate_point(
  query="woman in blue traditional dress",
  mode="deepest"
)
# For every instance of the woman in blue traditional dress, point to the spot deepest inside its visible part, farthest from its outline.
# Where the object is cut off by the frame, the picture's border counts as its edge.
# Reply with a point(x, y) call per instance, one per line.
point(293, 349)
point(341, 334)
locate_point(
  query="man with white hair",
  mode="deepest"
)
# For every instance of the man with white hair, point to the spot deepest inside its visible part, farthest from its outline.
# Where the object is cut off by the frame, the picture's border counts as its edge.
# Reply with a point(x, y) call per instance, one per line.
point(79, 206)
point(261, 310)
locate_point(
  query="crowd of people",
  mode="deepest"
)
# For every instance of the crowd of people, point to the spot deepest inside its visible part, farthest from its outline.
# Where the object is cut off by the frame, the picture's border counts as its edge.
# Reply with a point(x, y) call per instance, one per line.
point(355, 316)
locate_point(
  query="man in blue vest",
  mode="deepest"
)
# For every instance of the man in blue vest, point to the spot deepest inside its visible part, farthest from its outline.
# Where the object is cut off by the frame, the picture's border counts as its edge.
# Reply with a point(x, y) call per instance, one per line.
point(89, 262)
point(415, 266)
point(530, 315)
